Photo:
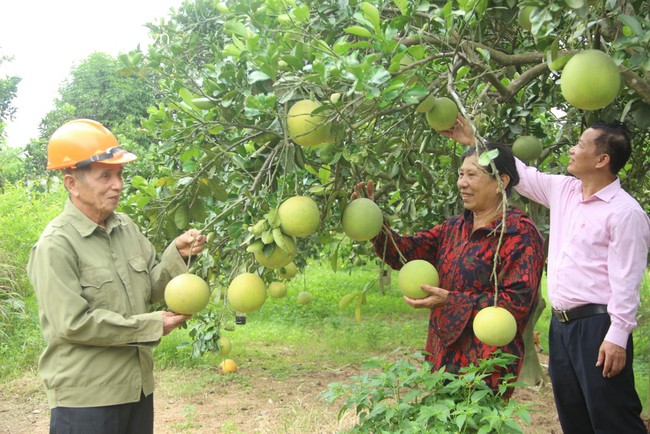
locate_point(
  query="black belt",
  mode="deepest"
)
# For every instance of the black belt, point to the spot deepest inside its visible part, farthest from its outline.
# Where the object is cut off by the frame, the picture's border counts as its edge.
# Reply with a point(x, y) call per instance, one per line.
point(579, 312)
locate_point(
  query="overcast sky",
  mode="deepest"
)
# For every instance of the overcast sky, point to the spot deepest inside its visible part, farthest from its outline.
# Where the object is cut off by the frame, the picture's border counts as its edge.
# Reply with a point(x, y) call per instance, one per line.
point(48, 37)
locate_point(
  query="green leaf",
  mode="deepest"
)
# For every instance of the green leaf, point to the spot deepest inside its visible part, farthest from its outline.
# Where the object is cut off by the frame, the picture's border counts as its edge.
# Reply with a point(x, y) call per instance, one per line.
point(236, 27)
point(633, 23)
point(358, 31)
point(181, 217)
point(486, 157)
point(402, 5)
point(371, 13)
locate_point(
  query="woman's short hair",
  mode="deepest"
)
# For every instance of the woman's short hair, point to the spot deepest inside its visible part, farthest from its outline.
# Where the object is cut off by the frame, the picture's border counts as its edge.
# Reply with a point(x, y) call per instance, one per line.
point(504, 162)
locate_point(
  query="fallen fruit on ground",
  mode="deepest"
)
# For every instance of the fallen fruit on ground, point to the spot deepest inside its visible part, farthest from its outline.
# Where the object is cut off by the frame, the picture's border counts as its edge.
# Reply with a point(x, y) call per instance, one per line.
point(304, 128)
point(289, 271)
point(277, 290)
point(413, 275)
point(362, 219)
point(187, 294)
point(495, 326)
point(527, 148)
point(304, 298)
point(247, 293)
point(278, 257)
point(590, 80)
point(228, 366)
point(442, 115)
point(299, 216)
point(225, 345)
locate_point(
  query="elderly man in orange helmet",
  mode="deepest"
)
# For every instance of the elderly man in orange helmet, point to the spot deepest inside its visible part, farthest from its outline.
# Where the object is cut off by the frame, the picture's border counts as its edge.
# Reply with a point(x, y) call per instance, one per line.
point(96, 276)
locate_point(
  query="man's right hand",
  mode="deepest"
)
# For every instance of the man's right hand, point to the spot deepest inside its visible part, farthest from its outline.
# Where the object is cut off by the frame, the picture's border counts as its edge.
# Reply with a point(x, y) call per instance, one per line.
point(462, 132)
point(358, 190)
point(172, 320)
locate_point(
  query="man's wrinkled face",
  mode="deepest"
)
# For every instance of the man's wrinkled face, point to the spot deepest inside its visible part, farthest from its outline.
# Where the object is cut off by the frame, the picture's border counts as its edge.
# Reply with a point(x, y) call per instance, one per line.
point(96, 191)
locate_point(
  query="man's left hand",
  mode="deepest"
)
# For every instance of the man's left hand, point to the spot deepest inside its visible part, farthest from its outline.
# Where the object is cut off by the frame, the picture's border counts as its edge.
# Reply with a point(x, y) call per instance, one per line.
point(612, 358)
point(190, 243)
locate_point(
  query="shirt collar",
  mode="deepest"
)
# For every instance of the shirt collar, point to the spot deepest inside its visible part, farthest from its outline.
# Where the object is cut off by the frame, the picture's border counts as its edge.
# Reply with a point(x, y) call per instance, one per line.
point(606, 194)
point(86, 226)
point(512, 215)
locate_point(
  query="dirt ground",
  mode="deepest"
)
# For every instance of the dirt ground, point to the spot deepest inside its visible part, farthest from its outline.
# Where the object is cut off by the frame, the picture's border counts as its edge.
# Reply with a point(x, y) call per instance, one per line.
point(246, 402)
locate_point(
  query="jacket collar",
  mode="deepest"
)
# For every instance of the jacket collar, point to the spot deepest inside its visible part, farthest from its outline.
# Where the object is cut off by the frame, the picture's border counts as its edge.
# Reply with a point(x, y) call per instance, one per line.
point(86, 226)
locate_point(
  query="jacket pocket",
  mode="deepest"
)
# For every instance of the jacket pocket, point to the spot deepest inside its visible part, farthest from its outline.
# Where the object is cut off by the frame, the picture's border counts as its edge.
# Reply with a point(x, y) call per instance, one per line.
point(139, 275)
point(95, 283)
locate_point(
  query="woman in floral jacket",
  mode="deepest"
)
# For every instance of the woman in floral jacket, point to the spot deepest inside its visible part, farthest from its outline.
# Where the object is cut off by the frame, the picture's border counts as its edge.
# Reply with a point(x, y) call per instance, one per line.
point(463, 249)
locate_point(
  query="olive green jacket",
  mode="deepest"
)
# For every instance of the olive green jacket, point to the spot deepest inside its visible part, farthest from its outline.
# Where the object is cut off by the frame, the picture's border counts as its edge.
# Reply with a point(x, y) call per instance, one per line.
point(95, 288)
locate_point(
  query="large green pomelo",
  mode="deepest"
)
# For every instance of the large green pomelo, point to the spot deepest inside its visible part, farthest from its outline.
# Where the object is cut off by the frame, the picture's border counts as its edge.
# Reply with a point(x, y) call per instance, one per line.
point(306, 129)
point(299, 216)
point(278, 257)
point(527, 148)
point(413, 275)
point(362, 219)
point(590, 80)
point(247, 293)
point(523, 17)
point(288, 271)
point(443, 114)
point(495, 326)
point(187, 294)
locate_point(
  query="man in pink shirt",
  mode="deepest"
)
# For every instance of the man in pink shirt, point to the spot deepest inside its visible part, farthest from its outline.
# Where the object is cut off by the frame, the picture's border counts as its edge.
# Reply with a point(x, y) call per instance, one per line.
point(598, 246)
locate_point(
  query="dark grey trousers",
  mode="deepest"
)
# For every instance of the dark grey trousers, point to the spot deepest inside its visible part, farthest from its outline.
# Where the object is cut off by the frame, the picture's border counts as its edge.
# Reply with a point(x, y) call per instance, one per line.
point(131, 418)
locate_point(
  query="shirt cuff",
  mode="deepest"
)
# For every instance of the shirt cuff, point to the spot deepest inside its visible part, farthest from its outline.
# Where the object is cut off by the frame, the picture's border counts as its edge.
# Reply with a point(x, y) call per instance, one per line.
point(617, 336)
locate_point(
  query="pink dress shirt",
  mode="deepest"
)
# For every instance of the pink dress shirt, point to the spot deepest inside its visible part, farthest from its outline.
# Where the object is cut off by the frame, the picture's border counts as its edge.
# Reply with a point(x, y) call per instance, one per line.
point(598, 246)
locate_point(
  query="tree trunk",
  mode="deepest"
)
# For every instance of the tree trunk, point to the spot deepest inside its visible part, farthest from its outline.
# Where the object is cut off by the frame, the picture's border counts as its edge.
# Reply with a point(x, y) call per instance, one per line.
point(384, 280)
point(531, 371)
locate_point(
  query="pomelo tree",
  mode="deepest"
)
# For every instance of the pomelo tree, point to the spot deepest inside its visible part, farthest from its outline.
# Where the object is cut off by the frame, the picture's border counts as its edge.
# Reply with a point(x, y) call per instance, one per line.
point(369, 64)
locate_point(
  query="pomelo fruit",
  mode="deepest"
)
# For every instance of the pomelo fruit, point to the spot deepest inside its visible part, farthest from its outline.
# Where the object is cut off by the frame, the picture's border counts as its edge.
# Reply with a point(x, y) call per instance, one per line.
point(442, 115)
point(228, 366)
point(495, 326)
point(590, 80)
point(304, 128)
point(289, 271)
point(299, 216)
point(527, 148)
point(277, 290)
point(362, 219)
point(304, 298)
point(225, 345)
point(413, 275)
point(247, 293)
point(204, 103)
point(278, 257)
point(187, 294)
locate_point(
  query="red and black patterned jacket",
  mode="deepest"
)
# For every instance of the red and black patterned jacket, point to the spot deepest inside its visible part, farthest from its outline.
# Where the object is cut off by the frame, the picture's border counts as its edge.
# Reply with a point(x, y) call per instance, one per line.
point(464, 261)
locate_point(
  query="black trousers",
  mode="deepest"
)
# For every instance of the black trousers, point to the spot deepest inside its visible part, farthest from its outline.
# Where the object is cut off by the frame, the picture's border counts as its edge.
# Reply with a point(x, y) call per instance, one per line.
point(131, 418)
point(586, 401)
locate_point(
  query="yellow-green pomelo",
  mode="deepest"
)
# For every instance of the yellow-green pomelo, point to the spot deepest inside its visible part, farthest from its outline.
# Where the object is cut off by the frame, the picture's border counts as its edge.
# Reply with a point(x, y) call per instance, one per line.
point(304, 298)
point(289, 271)
point(590, 80)
point(413, 275)
point(442, 115)
point(306, 129)
point(247, 293)
point(228, 366)
point(527, 148)
point(277, 290)
point(225, 345)
point(187, 294)
point(278, 257)
point(495, 326)
point(362, 219)
point(299, 216)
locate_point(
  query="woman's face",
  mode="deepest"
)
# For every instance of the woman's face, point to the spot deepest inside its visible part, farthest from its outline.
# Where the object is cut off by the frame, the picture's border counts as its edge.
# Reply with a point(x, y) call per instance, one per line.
point(478, 189)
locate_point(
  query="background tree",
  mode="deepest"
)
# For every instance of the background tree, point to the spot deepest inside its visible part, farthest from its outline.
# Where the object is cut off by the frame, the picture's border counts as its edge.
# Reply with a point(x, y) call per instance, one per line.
point(8, 89)
point(97, 90)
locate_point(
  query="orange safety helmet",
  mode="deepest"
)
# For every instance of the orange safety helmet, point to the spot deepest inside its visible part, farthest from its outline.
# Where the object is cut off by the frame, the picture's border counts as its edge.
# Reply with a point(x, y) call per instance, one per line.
point(80, 142)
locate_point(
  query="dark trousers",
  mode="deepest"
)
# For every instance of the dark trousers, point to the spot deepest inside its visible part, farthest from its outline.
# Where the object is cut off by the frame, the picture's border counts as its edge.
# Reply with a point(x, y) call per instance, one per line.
point(586, 401)
point(131, 418)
